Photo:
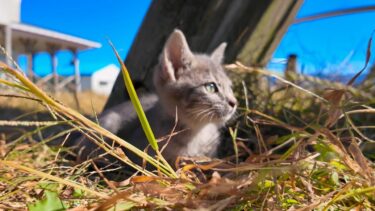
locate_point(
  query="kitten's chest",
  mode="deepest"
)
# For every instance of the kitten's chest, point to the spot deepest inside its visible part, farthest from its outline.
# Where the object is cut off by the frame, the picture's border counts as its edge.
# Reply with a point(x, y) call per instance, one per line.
point(202, 142)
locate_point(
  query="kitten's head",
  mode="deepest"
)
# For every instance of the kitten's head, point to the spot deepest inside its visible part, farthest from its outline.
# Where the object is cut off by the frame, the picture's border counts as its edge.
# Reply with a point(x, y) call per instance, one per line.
point(194, 83)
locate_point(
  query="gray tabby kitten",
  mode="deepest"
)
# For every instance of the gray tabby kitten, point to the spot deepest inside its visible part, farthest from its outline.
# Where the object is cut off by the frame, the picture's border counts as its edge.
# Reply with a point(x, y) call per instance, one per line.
point(193, 86)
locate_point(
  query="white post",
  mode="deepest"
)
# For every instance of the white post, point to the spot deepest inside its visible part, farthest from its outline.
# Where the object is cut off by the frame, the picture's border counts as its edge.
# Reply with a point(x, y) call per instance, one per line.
point(52, 50)
point(54, 71)
point(8, 44)
point(30, 51)
point(77, 71)
point(30, 65)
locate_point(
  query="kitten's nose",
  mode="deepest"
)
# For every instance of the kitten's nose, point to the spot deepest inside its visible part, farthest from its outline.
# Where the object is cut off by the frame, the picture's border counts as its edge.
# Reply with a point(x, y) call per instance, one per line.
point(232, 102)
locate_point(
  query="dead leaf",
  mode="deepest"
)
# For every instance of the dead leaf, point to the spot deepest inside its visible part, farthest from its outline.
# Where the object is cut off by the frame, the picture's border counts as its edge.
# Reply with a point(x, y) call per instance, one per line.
point(142, 179)
point(361, 160)
point(334, 97)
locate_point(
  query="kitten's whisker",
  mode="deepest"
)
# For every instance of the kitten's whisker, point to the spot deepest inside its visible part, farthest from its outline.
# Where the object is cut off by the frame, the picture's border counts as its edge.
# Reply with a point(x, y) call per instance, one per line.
point(203, 114)
point(207, 111)
point(197, 113)
point(210, 112)
point(211, 116)
point(200, 111)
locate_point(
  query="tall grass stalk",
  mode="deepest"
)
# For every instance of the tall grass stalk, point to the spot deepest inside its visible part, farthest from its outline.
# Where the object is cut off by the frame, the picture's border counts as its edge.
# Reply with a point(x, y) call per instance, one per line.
point(82, 120)
point(141, 114)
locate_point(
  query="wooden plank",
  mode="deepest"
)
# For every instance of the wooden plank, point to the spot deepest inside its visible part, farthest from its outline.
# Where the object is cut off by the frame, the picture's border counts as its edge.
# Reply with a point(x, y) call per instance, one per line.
point(268, 33)
point(335, 13)
point(44, 80)
point(65, 82)
point(206, 24)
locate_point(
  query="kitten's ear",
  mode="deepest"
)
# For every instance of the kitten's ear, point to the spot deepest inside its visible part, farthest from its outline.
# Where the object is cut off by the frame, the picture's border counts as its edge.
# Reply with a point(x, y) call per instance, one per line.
point(218, 53)
point(176, 54)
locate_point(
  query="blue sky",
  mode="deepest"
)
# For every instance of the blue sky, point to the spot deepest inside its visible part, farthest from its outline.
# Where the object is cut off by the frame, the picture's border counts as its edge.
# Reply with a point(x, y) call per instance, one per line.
point(96, 20)
point(333, 45)
point(329, 46)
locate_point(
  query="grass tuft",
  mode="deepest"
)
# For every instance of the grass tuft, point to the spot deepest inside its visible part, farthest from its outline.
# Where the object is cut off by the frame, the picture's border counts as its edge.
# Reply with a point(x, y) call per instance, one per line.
point(295, 146)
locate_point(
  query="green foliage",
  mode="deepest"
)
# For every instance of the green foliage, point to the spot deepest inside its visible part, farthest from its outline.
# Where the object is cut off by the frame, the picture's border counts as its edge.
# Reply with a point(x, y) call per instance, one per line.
point(326, 152)
point(51, 200)
point(266, 184)
point(78, 193)
point(123, 206)
point(288, 203)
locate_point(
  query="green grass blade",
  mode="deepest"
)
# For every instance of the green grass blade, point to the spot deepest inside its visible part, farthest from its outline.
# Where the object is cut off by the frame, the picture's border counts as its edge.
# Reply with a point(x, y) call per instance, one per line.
point(136, 103)
point(141, 114)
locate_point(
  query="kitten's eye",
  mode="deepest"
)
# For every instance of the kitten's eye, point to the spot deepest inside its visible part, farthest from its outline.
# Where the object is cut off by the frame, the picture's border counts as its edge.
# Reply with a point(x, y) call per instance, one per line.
point(211, 87)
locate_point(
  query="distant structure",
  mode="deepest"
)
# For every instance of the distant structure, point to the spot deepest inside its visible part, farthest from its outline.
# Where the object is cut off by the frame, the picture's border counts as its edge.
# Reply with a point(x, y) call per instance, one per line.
point(102, 80)
point(21, 39)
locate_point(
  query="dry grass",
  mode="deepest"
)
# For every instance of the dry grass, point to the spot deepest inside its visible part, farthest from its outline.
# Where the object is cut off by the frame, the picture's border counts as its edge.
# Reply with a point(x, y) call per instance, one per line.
point(88, 102)
point(295, 148)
